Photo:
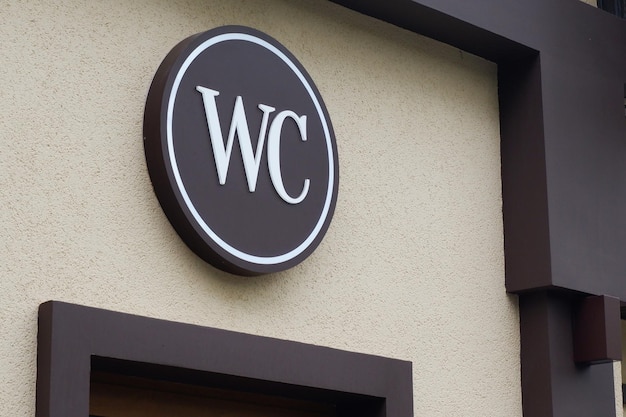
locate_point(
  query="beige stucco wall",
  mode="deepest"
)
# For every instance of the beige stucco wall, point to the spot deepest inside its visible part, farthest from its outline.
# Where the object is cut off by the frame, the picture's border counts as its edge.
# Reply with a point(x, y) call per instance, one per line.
point(411, 268)
point(619, 397)
point(621, 370)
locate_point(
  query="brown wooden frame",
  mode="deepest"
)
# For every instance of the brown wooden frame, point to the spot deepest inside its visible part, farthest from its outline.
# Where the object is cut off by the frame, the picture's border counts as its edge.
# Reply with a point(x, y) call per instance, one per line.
point(73, 340)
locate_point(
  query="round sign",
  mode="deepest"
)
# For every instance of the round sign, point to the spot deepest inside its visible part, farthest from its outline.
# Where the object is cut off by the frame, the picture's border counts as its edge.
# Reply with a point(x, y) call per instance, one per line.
point(241, 151)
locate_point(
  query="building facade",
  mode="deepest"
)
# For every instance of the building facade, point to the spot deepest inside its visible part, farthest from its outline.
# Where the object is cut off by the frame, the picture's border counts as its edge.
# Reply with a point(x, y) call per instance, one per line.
point(412, 266)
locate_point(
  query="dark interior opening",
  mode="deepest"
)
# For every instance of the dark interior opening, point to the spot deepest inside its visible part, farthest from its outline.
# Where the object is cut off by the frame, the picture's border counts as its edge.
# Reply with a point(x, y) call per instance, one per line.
point(616, 7)
point(121, 388)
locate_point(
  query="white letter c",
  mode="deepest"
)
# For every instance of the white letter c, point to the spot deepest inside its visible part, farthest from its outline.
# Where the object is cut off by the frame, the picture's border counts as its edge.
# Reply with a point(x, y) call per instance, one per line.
point(273, 154)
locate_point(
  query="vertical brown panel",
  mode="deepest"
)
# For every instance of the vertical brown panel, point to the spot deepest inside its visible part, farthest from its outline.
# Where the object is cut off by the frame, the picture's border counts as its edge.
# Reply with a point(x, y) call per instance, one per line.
point(597, 331)
point(44, 365)
point(535, 356)
point(63, 364)
point(524, 192)
point(552, 384)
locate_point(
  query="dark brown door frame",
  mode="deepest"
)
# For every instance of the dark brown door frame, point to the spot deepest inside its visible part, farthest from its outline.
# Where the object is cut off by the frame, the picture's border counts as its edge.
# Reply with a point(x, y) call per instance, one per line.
point(73, 341)
point(561, 74)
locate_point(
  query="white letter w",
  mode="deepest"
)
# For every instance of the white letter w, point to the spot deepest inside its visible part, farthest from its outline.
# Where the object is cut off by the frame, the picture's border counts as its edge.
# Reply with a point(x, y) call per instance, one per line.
point(239, 126)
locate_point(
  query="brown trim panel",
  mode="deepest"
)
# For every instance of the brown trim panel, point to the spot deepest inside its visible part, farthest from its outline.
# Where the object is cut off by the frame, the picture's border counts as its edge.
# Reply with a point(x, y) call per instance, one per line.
point(561, 72)
point(71, 338)
point(553, 385)
point(570, 124)
point(597, 330)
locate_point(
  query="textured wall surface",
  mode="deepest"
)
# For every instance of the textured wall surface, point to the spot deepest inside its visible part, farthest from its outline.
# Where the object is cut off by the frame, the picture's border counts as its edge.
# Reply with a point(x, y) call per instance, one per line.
point(622, 374)
point(412, 266)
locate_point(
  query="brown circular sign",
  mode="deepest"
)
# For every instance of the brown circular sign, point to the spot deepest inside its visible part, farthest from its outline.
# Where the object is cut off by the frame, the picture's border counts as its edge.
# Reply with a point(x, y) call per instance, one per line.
point(241, 151)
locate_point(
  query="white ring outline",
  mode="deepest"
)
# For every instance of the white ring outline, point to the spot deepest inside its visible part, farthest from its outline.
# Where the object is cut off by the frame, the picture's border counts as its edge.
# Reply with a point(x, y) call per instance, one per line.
point(261, 260)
